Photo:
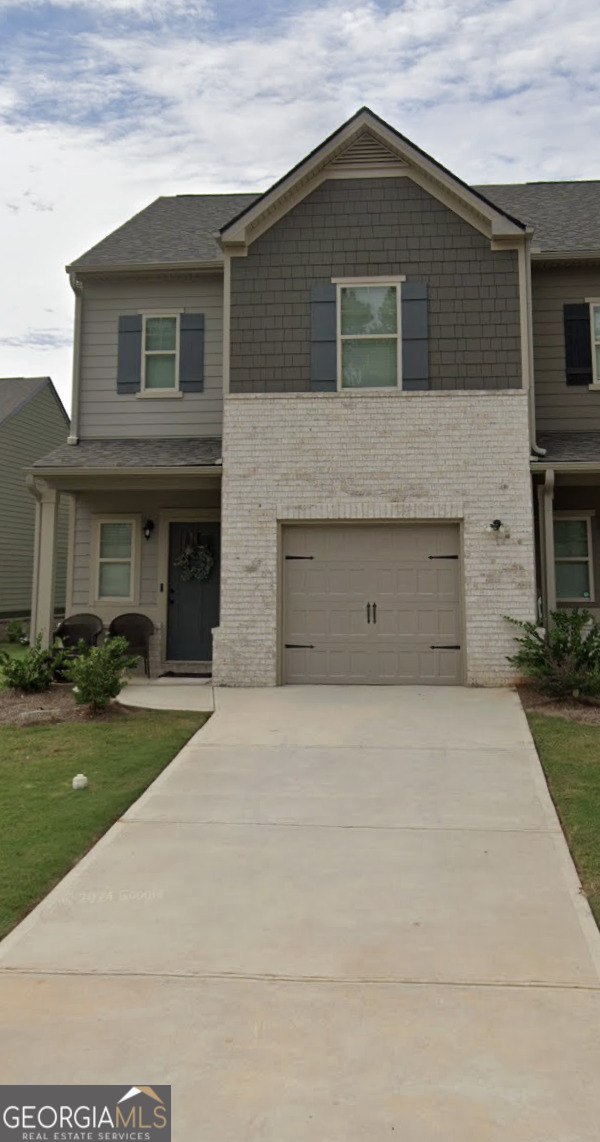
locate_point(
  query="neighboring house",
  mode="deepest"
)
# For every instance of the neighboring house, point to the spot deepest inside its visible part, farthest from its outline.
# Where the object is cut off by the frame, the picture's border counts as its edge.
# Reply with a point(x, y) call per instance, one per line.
point(32, 420)
point(332, 388)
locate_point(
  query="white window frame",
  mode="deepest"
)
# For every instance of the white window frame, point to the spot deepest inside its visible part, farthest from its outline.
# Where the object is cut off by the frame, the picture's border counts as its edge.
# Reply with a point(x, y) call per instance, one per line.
point(594, 303)
point(149, 315)
point(584, 516)
point(134, 561)
point(357, 283)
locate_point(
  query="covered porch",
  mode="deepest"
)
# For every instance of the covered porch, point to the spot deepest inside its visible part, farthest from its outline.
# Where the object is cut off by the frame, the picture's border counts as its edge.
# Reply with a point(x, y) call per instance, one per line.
point(144, 539)
point(567, 508)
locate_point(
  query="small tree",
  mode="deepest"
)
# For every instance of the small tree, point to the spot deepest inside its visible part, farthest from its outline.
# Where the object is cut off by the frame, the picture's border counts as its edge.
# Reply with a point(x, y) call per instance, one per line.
point(563, 660)
point(99, 674)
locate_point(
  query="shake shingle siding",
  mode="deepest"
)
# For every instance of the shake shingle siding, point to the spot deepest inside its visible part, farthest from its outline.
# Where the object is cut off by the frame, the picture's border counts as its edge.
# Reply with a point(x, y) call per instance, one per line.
point(372, 227)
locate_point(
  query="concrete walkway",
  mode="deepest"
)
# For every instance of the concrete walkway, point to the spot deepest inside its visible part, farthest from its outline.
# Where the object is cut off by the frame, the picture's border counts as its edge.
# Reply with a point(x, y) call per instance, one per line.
point(195, 694)
point(340, 915)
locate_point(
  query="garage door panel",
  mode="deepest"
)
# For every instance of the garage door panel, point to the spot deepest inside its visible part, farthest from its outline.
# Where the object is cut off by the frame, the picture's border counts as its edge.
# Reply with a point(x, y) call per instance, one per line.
point(327, 636)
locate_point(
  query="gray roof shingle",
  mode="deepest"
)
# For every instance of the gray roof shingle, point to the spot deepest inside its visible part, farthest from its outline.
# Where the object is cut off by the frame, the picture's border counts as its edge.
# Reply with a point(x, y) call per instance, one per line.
point(565, 215)
point(178, 230)
point(169, 231)
point(196, 452)
point(570, 447)
point(18, 391)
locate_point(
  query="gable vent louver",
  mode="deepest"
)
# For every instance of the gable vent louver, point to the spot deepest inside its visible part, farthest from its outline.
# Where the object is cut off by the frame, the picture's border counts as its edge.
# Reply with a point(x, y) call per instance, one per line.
point(368, 151)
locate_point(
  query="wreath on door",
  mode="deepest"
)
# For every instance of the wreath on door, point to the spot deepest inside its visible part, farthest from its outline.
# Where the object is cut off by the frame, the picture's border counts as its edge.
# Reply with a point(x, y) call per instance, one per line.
point(196, 560)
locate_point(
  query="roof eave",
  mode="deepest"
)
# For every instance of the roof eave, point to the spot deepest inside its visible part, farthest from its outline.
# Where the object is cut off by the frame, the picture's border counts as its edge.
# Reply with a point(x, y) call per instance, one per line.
point(146, 267)
point(565, 255)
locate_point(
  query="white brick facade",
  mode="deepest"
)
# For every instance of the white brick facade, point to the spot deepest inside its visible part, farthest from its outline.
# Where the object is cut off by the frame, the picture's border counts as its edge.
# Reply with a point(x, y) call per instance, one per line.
point(374, 456)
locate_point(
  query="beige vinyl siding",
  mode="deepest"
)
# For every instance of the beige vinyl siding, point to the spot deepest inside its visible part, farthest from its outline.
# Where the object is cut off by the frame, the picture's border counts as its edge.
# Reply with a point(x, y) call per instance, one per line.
point(144, 505)
point(106, 413)
point(558, 405)
point(32, 432)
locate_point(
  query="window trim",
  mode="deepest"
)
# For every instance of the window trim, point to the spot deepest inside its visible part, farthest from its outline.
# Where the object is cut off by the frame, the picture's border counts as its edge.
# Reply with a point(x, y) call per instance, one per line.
point(586, 516)
point(134, 561)
point(152, 315)
point(366, 282)
point(594, 303)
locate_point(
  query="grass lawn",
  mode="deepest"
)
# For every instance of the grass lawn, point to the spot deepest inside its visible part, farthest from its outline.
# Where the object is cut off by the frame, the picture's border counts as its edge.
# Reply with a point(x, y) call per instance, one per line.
point(45, 825)
point(570, 755)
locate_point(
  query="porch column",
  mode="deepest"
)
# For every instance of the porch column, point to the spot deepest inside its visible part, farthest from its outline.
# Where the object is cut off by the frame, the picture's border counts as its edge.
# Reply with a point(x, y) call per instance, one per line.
point(44, 565)
point(546, 515)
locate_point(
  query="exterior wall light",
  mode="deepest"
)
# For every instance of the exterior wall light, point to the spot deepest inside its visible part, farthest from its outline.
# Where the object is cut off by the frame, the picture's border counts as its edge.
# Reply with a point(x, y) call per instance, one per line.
point(148, 528)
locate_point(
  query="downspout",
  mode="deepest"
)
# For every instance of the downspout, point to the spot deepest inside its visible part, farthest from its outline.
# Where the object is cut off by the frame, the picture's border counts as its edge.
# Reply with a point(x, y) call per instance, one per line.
point(534, 446)
point(77, 287)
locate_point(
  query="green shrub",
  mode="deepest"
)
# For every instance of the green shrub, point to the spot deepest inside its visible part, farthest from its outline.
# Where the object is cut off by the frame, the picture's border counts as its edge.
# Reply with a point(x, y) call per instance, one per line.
point(99, 674)
point(32, 672)
point(563, 660)
point(15, 631)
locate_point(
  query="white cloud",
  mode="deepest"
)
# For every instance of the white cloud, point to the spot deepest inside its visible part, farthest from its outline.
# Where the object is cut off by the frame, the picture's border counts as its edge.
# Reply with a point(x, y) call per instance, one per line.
point(99, 124)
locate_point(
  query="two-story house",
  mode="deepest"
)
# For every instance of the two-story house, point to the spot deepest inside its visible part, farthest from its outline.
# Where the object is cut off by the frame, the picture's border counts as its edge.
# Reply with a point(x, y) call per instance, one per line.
point(304, 421)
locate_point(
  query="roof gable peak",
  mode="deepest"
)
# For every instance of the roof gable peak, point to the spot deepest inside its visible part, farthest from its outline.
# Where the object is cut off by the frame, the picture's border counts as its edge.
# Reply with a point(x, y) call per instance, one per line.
point(367, 146)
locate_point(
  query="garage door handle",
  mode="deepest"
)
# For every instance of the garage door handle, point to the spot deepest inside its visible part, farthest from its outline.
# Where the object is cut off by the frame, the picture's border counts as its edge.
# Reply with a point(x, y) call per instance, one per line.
point(446, 647)
point(442, 556)
point(374, 612)
point(368, 612)
point(299, 646)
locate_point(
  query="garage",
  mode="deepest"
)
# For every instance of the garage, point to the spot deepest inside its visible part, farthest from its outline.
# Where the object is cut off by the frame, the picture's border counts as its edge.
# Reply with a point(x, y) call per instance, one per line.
point(372, 604)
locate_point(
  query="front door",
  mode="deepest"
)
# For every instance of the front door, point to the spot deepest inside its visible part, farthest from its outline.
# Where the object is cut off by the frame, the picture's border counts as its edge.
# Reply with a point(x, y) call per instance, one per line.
point(193, 590)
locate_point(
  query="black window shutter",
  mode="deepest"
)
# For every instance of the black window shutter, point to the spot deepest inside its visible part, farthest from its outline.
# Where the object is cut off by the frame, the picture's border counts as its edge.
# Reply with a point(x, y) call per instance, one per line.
point(323, 376)
point(578, 345)
point(129, 359)
point(415, 336)
point(191, 352)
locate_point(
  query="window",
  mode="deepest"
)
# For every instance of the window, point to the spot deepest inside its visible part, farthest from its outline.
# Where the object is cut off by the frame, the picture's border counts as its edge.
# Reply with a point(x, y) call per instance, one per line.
point(369, 335)
point(595, 331)
point(116, 547)
point(573, 558)
point(159, 354)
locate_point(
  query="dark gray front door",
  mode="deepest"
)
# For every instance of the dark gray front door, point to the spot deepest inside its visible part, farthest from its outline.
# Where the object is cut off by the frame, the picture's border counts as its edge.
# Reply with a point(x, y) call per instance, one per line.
point(193, 606)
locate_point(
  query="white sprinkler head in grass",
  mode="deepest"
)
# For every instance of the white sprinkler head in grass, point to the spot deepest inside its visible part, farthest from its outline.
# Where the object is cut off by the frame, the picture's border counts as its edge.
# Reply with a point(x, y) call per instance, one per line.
point(80, 781)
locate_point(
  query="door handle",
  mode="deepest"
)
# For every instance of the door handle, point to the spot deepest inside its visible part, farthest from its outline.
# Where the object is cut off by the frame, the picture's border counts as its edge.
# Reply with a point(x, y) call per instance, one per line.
point(368, 612)
point(374, 612)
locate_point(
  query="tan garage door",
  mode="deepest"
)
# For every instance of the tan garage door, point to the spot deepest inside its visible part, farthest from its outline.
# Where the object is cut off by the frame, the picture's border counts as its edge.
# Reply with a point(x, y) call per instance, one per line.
point(371, 604)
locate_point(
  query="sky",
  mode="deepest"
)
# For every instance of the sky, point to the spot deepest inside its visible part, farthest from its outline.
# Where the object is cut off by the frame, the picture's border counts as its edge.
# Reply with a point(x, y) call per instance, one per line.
point(106, 104)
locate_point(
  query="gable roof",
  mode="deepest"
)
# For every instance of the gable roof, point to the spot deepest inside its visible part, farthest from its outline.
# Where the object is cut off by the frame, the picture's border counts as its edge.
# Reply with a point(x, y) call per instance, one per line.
point(565, 216)
point(404, 154)
point(169, 232)
point(16, 392)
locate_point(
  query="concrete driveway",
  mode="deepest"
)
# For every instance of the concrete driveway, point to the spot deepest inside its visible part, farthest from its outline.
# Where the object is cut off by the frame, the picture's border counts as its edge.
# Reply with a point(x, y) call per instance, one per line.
point(340, 914)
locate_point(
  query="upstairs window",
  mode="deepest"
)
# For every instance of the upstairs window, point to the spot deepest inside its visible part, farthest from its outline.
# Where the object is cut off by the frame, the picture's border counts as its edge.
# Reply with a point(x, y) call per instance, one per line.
point(368, 332)
point(160, 353)
point(595, 332)
point(573, 558)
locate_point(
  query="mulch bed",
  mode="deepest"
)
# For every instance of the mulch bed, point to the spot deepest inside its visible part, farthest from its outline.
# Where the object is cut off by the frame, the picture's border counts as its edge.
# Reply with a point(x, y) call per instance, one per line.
point(586, 712)
point(51, 707)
